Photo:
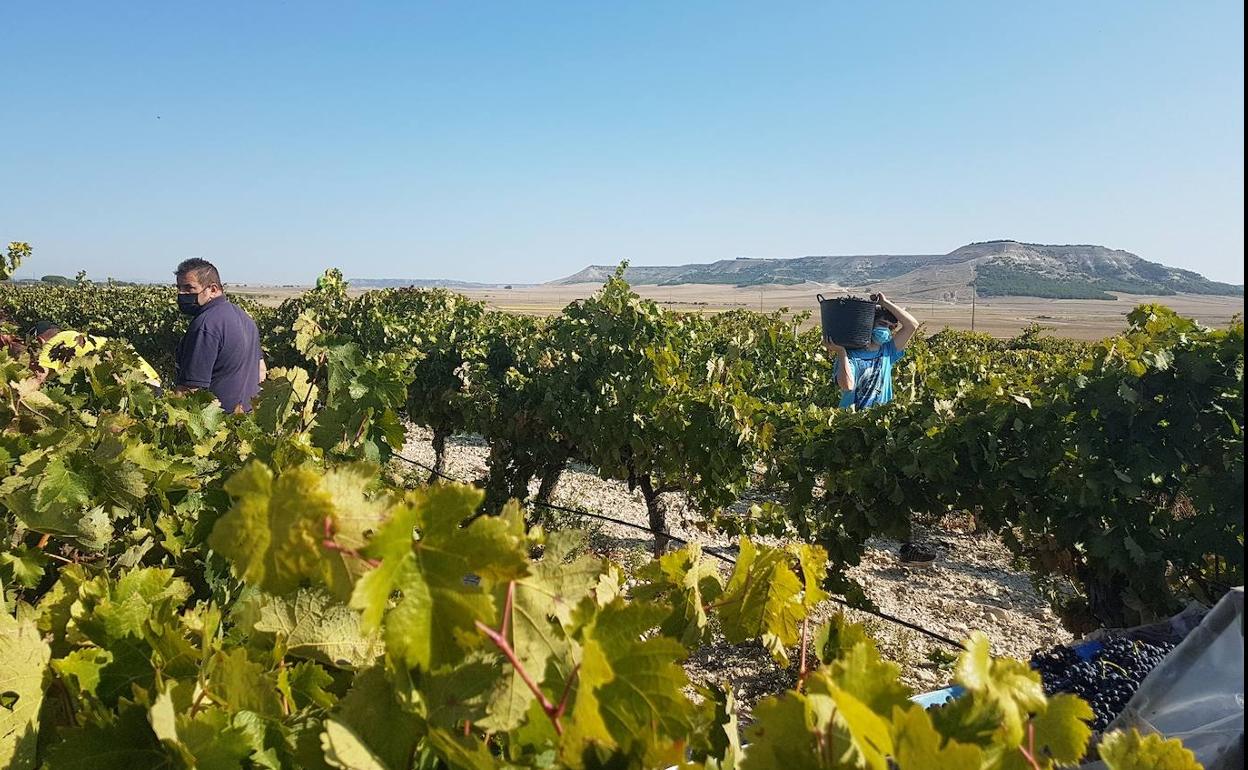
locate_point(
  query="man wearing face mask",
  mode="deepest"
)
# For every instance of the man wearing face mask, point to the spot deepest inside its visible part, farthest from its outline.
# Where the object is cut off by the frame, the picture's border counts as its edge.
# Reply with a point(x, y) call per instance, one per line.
point(221, 348)
point(865, 374)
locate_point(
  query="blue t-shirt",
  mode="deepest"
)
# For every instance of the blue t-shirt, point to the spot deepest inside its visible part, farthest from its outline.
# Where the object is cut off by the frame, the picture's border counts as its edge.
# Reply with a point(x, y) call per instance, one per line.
point(873, 376)
point(221, 352)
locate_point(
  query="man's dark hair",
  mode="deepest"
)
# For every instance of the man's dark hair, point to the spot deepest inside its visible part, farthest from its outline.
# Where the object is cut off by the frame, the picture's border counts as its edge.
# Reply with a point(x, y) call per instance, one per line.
point(41, 328)
point(201, 270)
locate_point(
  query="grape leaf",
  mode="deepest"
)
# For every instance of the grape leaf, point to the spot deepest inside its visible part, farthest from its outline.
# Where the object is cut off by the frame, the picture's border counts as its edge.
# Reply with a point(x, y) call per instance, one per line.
point(206, 741)
point(628, 690)
point(541, 618)
point(242, 684)
point(865, 675)
point(304, 683)
point(860, 734)
point(23, 659)
point(1128, 750)
point(462, 753)
point(273, 533)
point(1009, 685)
point(763, 600)
point(126, 742)
point(920, 747)
point(370, 729)
point(314, 626)
point(433, 622)
point(1062, 729)
point(687, 583)
point(781, 737)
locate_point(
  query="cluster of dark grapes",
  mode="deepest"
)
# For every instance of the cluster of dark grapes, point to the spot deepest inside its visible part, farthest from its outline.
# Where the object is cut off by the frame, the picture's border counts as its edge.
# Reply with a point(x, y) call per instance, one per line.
point(1107, 680)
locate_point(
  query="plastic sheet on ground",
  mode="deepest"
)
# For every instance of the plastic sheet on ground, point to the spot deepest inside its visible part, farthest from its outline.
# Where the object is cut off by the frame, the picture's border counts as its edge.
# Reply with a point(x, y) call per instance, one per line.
point(1197, 693)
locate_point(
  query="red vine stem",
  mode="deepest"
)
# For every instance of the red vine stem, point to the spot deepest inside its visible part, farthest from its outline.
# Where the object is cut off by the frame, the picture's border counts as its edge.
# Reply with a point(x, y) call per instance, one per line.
point(802, 671)
point(500, 640)
point(333, 545)
point(1030, 755)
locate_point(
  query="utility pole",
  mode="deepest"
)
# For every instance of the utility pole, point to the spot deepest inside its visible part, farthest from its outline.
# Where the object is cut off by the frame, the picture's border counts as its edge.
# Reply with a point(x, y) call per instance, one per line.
point(974, 294)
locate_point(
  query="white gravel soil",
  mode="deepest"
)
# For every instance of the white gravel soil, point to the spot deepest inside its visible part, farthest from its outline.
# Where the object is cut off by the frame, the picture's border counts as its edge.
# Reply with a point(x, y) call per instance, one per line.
point(973, 585)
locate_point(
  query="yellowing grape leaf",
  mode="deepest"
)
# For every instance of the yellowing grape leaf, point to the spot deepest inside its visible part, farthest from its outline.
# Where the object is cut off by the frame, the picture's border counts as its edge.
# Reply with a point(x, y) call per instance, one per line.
point(1128, 750)
point(1062, 730)
point(869, 678)
point(920, 747)
point(763, 600)
point(315, 626)
point(23, 659)
point(273, 533)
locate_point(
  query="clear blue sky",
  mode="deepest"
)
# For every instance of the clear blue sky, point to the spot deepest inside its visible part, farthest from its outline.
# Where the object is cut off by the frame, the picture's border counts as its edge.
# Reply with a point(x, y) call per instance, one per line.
point(519, 141)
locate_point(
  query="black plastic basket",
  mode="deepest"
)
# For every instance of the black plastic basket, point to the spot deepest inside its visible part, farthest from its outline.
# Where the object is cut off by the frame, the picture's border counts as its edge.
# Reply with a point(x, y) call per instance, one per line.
point(847, 321)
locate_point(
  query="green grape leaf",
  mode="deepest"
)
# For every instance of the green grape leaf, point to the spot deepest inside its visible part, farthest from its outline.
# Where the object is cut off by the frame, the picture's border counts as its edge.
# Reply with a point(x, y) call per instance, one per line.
point(541, 616)
point(370, 729)
point(304, 684)
point(344, 749)
point(462, 753)
point(869, 678)
point(1010, 685)
point(628, 689)
point(124, 608)
point(1128, 750)
point(126, 742)
point(23, 659)
point(26, 565)
point(84, 668)
point(242, 684)
point(838, 636)
point(763, 600)
point(920, 747)
point(314, 626)
point(206, 741)
point(459, 694)
point(444, 577)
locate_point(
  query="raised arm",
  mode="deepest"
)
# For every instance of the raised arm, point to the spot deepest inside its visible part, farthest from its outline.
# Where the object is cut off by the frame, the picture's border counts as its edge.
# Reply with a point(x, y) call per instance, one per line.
point(840, 364)
point(909, 324)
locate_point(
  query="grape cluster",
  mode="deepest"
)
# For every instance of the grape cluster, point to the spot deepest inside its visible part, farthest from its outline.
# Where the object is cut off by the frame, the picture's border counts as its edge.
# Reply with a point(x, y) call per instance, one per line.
point(1107, 680)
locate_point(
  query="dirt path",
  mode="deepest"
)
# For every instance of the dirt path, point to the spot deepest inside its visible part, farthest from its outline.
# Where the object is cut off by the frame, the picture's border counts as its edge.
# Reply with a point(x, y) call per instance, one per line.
point(972, 586)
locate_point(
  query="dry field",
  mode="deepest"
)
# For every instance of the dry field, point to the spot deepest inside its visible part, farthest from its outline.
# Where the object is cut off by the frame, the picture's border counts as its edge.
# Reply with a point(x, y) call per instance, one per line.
point(999, 316)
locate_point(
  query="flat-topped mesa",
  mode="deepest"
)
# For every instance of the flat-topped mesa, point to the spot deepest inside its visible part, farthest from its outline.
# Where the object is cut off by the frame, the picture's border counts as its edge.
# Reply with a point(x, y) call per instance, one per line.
point(1002, 267)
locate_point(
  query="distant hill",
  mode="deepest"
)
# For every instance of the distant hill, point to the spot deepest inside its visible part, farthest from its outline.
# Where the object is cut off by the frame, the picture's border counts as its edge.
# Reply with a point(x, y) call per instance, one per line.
point(427, 283)
point(1001, 268)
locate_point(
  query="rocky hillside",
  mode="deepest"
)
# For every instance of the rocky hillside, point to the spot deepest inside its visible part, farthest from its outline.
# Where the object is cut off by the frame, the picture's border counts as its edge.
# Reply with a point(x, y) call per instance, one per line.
point(993, 268)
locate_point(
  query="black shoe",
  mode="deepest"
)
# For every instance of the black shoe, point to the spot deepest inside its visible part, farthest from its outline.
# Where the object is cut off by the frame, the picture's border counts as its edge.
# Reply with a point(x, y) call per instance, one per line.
point(916, 555)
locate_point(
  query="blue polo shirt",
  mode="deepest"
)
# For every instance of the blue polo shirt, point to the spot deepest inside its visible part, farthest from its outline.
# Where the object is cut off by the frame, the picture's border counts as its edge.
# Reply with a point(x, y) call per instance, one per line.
point(221, 352)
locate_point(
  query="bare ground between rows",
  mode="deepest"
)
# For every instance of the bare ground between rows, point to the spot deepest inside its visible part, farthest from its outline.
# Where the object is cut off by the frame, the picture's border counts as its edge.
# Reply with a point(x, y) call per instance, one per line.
point(974, 584)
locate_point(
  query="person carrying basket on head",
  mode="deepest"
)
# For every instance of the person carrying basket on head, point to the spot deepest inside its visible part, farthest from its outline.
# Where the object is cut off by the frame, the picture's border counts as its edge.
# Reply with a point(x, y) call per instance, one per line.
point(865, 376)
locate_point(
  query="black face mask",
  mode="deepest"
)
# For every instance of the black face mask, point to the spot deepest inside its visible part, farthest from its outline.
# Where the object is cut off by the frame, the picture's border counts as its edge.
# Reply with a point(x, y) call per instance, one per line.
point(189, 304)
